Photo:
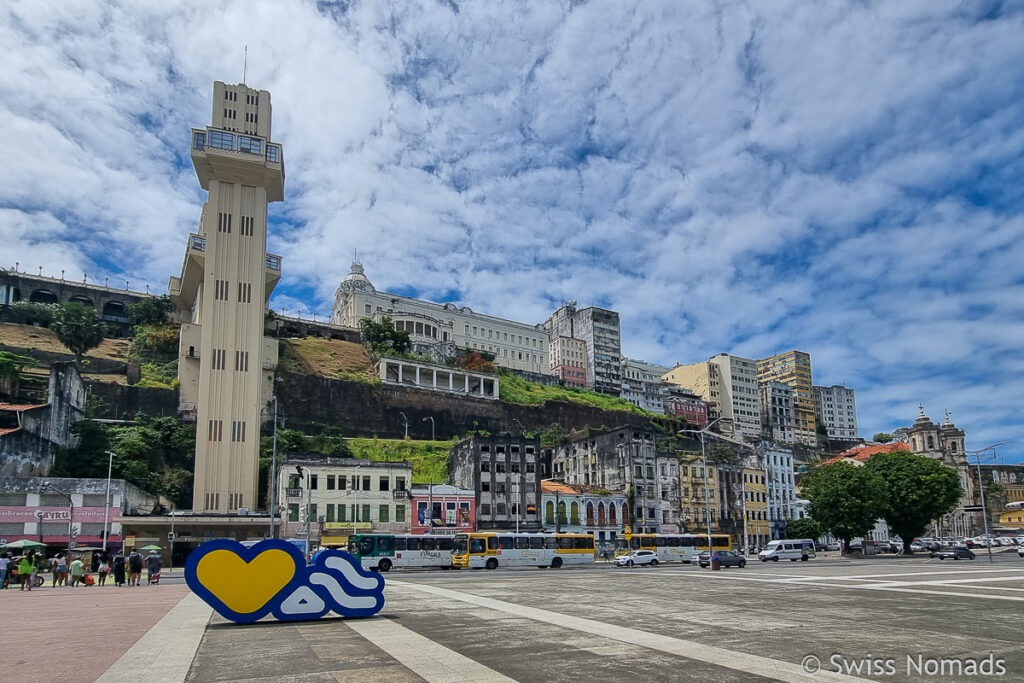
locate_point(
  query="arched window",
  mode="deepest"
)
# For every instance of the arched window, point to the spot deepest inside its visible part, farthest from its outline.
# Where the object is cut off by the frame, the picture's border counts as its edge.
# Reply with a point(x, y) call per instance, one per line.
point(561, 513)
point(601, 514)
point(625, 514)
point(590, 514)
point(931, 442)
point(549, 513)
point(915, 442)
point(574, 517)
point(611, 514)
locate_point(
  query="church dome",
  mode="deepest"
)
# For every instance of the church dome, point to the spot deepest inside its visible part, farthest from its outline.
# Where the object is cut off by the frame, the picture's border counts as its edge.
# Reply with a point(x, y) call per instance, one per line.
point(356, 279)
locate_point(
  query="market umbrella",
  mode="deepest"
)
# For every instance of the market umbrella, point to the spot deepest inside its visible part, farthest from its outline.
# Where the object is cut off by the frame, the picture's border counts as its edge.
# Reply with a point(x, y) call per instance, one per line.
point(24, 543)
point(151, 547)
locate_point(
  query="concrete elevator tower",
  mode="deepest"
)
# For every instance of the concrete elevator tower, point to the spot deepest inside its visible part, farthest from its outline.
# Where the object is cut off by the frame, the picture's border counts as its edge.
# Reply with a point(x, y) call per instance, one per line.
point(225, 366)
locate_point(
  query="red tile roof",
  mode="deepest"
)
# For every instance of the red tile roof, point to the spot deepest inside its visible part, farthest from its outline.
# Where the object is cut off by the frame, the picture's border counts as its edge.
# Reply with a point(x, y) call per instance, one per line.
point(20, 407)
point(864, 453)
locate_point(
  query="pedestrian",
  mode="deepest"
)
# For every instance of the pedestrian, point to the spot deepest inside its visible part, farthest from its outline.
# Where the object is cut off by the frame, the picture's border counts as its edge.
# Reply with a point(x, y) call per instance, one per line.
point(5, 561)
point(153, 564)
point(60, 570)
point(77, 569)
point(119, 566)
point(26, 567)
point(134, 568)
point(103, 569)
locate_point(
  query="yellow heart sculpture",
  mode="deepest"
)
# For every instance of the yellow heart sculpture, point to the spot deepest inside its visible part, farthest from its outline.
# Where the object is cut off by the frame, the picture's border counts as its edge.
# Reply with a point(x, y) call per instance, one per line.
point(245, 587)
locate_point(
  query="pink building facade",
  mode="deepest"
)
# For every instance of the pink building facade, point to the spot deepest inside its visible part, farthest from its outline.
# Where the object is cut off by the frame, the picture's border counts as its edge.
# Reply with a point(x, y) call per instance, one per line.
point(443, 509)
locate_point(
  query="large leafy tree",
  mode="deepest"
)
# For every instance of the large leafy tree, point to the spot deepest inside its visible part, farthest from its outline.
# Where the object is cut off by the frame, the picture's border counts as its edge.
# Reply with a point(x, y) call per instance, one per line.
point(845, 499)
point(882, 437)
point(383, 337)
point(77, 327)
point(803, 528)
point(151, 310)
point(920, 489)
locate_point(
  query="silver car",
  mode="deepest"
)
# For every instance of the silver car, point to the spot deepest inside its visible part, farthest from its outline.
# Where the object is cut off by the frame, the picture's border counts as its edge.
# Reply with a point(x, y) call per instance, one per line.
point(637, 557)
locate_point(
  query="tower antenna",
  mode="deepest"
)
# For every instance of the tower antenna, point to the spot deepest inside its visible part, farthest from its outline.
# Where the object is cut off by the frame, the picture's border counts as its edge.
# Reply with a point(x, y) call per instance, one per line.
point(245, 62)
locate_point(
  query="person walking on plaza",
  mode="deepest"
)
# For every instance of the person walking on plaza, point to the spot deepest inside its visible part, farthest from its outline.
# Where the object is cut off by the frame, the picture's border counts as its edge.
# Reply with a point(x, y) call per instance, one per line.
point(5, 561)
point(26, 567)
point(77, 569)
point(103, 569)
point(119, 565)
point(134, 568)
point(153, 564)
point(59, 566)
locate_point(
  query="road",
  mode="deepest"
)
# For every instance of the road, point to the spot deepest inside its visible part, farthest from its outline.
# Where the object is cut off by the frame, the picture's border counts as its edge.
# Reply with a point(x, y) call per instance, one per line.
point(877, 619)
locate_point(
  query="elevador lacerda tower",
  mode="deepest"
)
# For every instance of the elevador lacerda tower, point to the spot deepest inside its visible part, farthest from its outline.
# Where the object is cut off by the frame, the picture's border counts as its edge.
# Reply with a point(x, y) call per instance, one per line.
point(225, 366)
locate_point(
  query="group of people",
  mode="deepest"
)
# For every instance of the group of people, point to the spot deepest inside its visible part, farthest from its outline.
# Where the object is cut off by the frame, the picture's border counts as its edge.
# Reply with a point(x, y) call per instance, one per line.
point(125, 569)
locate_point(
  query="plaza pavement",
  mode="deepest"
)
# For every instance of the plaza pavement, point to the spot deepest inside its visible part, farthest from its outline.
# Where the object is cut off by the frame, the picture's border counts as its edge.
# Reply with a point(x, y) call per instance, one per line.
point(667, 623)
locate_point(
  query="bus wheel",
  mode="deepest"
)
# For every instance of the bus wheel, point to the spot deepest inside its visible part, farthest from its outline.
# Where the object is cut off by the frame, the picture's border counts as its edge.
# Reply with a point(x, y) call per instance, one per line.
point(804, 558)
point(384, 565)
point(542, 566)
point(492, 563)
point(775, 559)
point(446, 566)
point(556, 563)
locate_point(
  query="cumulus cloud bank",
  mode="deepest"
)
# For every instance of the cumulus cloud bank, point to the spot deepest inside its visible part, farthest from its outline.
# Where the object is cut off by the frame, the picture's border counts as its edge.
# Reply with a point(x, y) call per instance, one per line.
point(740, 177)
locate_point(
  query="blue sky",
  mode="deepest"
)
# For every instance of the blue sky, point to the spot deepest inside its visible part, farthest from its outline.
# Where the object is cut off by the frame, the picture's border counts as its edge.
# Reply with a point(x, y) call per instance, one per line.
point(844, 179)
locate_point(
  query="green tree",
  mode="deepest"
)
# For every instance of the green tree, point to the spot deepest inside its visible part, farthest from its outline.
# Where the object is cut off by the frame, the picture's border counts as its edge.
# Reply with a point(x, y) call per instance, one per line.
point(846, 499)
point(882, 437)
point(78, 328)
point(901, 434)
point(803, 528)
point(11, 366)
point(554, 435)
point(383, 337)
point(919, 490)
point(152, 310)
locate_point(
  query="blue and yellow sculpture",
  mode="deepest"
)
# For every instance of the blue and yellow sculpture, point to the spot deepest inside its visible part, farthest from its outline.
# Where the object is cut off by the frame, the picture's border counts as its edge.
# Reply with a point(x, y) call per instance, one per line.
point(271, 577)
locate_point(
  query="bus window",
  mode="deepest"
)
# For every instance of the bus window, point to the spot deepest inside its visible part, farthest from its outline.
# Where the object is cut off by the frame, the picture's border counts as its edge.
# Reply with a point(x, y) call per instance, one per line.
point(565, 542)
point(385, 545)
point(522, 542)
point(366, 545)
point(583, 543)
point(672, 541)
point(492, 542)
point(634, 543)
point(477, 545)
point(536, 542)
point(400, 543)
point(412, 543)
point(428, 543)
point(353, 545)
point(550, 542)
point(721, 541)
point(688, 542)
point(506, 542)
point(460, 545)
point(659, 541)
point(444, 543)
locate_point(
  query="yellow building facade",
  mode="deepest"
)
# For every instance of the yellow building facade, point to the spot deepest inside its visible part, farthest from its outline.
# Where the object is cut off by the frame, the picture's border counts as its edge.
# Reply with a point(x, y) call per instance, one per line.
point(696, 500)
point(793, 368)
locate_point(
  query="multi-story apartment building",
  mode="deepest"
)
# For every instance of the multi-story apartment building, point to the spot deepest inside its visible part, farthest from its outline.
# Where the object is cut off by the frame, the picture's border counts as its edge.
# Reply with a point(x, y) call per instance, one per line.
point(623, 459)
point(643, 386)
point(437, 330)
point(756, 500)
point(574, 508)
point(222, 295)
point(729, 385)
point(505, 472)
point(599, 329)
point(793, 368)
point(344, 496)
point(777, 412)
point(568, 358)
point(698, 495)
point(682, 402)
point(779, 486)
point(836, 411)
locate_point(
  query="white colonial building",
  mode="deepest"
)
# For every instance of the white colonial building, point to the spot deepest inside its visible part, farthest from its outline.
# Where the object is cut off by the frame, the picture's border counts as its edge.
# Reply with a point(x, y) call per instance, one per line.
point(439, 329)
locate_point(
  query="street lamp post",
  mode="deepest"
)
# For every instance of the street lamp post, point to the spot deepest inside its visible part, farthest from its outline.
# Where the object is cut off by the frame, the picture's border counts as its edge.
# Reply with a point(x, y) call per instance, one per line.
point(432, 427)
point(704, 460)
point(981, 489)
point(71, 512)
point(309, 501)
point(273, 475)
point(106, 504)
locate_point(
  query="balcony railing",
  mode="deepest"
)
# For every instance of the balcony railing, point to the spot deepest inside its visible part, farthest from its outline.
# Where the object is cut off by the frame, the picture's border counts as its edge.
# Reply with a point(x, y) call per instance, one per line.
point(400, 494)
point(293, 493)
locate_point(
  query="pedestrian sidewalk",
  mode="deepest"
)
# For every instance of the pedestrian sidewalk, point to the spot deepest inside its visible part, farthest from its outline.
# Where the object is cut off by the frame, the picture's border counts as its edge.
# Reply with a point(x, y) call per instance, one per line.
point(77, 634)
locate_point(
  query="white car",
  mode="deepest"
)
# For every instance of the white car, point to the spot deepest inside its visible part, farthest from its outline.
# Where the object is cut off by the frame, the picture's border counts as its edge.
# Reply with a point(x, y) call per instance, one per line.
point(637, 557)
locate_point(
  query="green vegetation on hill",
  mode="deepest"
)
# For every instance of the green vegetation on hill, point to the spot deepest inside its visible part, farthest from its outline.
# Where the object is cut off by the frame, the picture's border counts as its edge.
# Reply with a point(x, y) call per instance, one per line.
point(429, 459)
point(515, 389)
point(326, 358)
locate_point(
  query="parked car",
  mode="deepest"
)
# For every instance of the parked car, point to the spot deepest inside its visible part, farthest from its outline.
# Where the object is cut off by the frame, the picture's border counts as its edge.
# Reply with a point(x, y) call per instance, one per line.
point(1020, 551)
point(726, 557)
point(834, 545)
point(637, 557)
point(953, 552)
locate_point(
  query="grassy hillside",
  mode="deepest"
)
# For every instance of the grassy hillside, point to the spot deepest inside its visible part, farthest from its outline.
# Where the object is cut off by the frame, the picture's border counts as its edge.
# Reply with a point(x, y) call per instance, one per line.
point(515, 389)
point(41, 339)
point(326, 357)
point(429, 458)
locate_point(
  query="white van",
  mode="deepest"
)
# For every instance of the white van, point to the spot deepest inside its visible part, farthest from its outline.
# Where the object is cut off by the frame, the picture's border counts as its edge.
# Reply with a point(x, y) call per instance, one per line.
point(790, 549)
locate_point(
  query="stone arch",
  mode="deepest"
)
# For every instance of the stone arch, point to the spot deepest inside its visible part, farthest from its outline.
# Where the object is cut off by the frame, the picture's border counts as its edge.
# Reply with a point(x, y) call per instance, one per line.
point(114, 309)
point(931, 442)
point(914, 443)
point(43, 296)
point(81, 299)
